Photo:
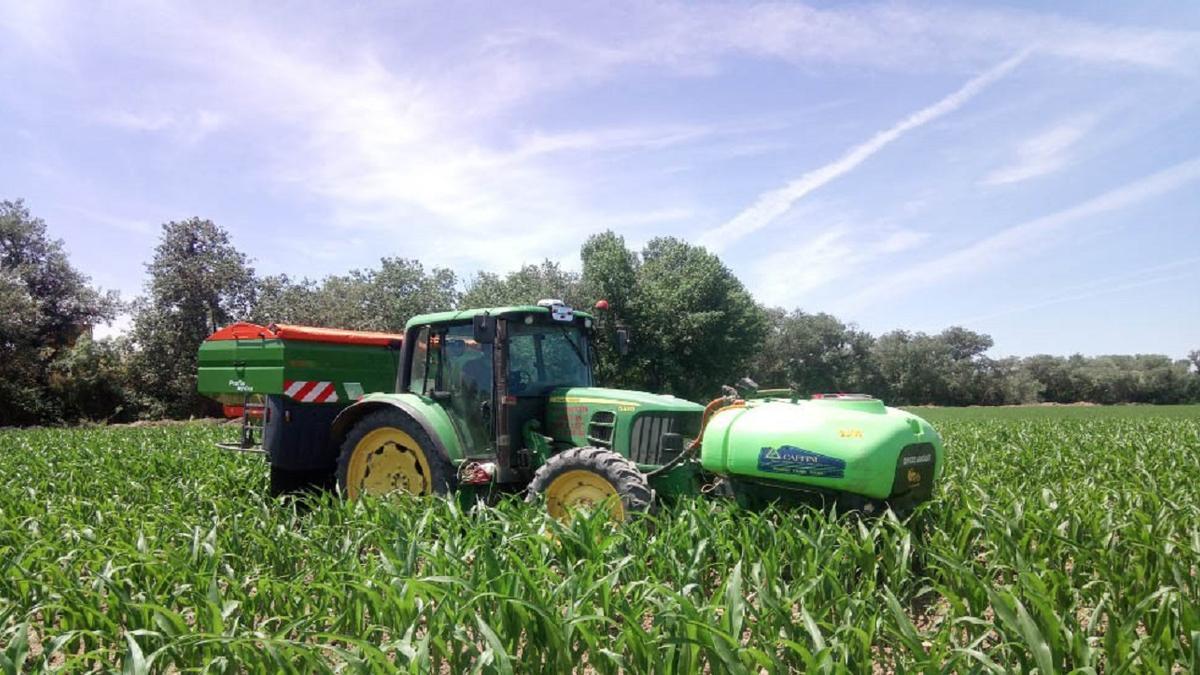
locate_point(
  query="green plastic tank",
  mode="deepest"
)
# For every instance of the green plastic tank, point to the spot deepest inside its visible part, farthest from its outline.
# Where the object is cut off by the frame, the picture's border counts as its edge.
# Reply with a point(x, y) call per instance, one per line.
point(843, 443)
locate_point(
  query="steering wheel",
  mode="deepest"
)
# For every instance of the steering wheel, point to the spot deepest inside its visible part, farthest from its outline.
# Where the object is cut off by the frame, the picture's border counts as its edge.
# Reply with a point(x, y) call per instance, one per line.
point(518, 381)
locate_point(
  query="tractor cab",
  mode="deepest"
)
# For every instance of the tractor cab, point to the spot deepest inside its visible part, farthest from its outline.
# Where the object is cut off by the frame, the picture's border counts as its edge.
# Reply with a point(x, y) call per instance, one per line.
point(503, 398)
point(492, 371)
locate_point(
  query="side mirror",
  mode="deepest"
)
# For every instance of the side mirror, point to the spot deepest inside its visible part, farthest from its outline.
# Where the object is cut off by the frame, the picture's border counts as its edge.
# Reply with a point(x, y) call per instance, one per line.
point(484, 328)
point(622, 341)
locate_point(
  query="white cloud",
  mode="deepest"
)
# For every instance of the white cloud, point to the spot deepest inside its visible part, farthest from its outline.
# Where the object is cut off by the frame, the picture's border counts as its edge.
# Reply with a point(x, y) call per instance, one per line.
point(832, 254)
point(773, 204)
point(36, 26)
point(134, 225)
point(1018, 240)
point(402, 145)
point(190, 127)
point(901, 240)
point(1044, 153)
point(620, 138)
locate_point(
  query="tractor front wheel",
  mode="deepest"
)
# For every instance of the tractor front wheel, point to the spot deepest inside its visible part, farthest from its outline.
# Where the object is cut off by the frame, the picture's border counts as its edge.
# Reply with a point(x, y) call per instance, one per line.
point(387, 452)
point(586, 478)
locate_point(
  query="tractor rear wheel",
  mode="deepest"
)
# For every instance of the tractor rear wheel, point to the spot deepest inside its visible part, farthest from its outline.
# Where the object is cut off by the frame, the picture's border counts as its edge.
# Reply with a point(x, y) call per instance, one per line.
point(584, 478)
point(387, 452)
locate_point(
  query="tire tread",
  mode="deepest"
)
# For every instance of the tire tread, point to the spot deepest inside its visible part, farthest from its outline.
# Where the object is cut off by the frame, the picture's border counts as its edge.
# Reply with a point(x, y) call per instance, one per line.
point(630, 483)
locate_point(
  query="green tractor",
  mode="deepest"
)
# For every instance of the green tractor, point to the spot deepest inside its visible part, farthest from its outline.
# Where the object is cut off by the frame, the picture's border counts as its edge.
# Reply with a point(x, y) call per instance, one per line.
point(499, 400)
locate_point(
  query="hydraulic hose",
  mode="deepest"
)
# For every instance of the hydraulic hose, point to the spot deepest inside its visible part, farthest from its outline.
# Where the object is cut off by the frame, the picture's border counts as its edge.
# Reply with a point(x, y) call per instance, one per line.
point(715, 406)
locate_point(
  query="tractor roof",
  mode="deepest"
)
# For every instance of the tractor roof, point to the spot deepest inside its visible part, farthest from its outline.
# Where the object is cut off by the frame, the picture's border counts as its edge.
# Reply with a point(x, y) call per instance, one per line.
point(467, 314)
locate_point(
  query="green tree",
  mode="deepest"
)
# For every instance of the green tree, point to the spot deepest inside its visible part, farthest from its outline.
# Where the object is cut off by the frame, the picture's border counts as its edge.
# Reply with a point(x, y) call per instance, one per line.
point(697, 327)
point(382, 299)
point(90, 380)
point(401, 289)
point(610, 274)
point(951, 368)
point(1056, 376)
point(913, 366)
point(1193, 386)
point(45, 306)
point(524, 286)
point(815, 353)
point(1004, 382)
point(22, 399)
point(279, 299)
point(970, 377)
point(197, 282)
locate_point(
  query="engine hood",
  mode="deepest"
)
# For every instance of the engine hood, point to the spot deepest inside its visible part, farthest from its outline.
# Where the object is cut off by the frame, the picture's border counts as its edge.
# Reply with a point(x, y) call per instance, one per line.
point(594, 416)
point(624, 399)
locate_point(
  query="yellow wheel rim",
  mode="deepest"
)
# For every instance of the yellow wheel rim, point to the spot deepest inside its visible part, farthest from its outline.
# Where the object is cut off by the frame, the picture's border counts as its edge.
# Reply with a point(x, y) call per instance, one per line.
point(387, 461)
point(580, 489)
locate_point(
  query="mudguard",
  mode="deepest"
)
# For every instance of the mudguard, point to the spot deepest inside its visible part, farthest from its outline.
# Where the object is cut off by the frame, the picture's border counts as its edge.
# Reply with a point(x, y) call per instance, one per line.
point(431, 416)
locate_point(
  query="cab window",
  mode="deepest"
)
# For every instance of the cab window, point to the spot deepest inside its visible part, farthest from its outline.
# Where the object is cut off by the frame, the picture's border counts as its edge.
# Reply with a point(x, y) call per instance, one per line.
point(542, 357)
point(468, 379)
point(425, 358)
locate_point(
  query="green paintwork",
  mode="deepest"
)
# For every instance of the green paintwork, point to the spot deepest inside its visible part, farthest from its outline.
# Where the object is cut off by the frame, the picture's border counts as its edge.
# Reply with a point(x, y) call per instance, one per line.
point(539, 445)
point(569, 412)
point(867, 435)
point(468, 314)
point(683, 479)
point(231, 369)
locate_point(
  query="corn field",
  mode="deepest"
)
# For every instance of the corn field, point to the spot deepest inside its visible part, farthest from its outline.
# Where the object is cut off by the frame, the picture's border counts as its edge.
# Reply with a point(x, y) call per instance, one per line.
point(1055, 543)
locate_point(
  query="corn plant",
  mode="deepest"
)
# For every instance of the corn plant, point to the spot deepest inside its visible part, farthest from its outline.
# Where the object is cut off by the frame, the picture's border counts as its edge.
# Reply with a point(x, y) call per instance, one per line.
point(1054, 543)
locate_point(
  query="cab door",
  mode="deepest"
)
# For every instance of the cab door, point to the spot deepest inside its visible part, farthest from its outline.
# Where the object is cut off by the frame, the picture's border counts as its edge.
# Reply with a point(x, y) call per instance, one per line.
point(452, 368)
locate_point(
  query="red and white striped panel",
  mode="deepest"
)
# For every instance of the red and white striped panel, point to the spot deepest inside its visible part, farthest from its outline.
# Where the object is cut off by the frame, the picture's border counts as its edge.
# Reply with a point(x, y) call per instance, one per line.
point(307, 391)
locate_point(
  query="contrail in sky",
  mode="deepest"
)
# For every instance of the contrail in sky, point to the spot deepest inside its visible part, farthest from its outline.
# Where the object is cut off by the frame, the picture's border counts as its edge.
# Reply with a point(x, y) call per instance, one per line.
point(770, 205)
point(1106, 286)
point(1019, 239)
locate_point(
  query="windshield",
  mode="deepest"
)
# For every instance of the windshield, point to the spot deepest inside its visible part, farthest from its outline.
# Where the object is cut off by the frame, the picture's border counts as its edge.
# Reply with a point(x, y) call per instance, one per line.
point(542, 357)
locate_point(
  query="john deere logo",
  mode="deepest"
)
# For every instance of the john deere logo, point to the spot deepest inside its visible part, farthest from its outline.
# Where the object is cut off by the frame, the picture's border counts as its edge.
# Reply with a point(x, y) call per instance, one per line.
point(914, 477)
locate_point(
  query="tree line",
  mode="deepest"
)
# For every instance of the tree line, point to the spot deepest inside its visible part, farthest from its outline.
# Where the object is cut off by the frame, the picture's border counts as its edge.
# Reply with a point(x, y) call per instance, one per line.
point(694, 327)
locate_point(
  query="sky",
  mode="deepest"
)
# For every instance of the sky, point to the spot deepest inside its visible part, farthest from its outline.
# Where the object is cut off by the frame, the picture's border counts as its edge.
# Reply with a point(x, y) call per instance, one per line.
point(1026, 172)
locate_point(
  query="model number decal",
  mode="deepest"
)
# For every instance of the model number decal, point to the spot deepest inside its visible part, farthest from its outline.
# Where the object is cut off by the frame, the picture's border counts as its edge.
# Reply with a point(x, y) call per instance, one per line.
point(917, 459)
point(850, 433)
point(795, 461)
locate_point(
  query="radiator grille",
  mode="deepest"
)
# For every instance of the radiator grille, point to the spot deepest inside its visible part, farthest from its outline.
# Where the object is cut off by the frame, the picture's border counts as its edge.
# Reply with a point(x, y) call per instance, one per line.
point(645, 439)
